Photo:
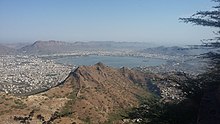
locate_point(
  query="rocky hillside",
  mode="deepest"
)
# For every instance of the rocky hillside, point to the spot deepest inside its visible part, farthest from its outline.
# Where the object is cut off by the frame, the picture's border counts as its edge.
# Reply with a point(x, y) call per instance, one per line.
point(101, 90)
point(91, 94)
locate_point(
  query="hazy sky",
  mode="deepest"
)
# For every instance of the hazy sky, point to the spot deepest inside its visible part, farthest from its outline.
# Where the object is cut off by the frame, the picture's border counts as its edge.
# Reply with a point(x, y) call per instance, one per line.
point(101, 20)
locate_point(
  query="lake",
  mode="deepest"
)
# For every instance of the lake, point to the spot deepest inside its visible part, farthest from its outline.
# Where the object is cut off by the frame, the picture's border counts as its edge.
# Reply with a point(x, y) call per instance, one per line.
point(114, 61)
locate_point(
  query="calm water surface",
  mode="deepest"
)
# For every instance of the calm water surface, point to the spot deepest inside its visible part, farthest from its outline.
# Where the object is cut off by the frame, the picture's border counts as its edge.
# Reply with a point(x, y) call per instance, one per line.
point(115, 61)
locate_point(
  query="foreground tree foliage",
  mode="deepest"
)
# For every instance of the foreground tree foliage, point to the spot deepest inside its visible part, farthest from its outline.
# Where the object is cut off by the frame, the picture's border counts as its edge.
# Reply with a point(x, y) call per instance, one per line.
point(202, 103)
point(208, 18)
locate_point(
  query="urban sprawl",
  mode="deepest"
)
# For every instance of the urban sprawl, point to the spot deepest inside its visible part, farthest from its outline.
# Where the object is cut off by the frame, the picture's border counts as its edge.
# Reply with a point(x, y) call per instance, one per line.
point(26, 75)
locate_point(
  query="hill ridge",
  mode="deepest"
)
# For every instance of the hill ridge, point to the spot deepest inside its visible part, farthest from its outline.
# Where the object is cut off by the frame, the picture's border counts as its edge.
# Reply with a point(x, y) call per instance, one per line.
point(104, 89)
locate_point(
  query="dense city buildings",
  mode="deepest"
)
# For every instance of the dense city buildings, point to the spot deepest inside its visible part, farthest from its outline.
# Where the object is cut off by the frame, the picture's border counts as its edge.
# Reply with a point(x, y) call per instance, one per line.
point(23, 75)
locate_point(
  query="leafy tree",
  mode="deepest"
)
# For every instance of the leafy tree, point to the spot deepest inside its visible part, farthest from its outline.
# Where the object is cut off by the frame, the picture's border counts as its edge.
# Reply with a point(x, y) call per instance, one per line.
point(208, 18)
point(206, 86)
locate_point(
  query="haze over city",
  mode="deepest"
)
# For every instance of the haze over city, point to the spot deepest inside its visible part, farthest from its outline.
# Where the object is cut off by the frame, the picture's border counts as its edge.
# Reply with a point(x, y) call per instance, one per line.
point(98, 20)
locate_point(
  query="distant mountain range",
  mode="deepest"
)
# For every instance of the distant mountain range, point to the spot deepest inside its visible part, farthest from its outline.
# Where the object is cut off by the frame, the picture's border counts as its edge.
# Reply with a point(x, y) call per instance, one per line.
point(4, 50)
point(52, 47)
point(176, 50)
